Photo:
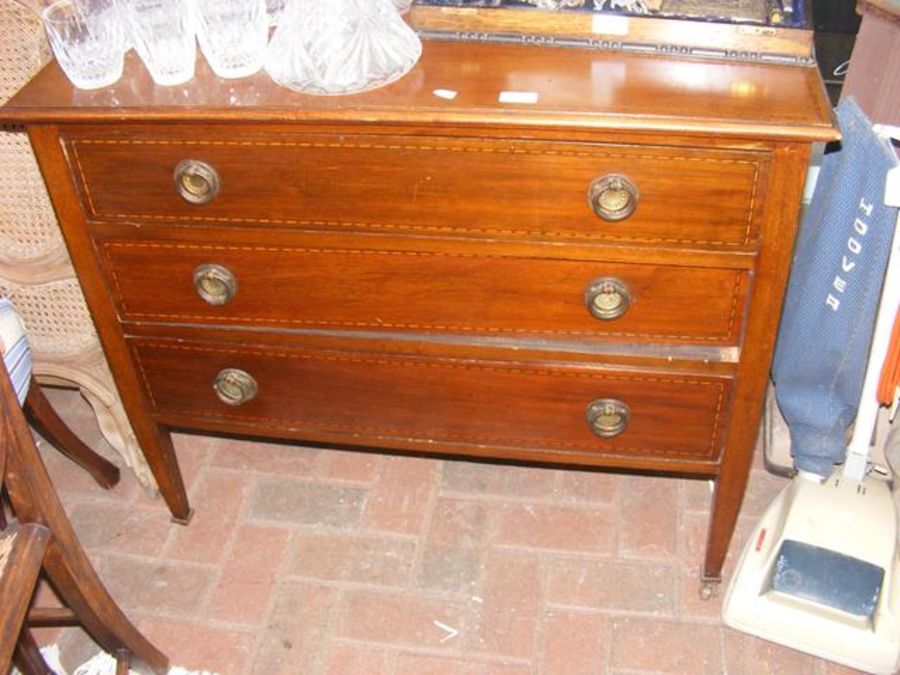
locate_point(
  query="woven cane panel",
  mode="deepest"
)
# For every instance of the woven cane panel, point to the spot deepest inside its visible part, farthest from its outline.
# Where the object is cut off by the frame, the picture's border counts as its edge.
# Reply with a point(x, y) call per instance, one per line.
point(55, 316)
point(28, 226)
point(23, 49)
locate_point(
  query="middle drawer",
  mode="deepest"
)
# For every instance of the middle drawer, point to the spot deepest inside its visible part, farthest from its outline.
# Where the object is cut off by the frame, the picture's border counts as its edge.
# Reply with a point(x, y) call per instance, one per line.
point(423, 291)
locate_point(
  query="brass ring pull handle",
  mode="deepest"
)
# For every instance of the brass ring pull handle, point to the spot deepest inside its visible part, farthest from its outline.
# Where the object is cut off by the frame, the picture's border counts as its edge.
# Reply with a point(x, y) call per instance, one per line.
point(214, 283)
point(234, 386)
point(607, 298)
point(196, 182)
point(613, 197)
point(608, 417)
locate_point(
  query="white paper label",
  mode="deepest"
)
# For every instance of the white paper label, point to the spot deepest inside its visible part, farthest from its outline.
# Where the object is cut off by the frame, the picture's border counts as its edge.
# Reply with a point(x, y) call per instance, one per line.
point(529, 97)
point(448, 94)
point(892, 187)
point(606, 24)
point(812, 177)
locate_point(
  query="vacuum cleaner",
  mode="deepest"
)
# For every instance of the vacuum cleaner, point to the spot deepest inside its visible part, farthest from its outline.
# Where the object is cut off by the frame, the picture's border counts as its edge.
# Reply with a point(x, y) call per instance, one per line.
point(821, 571)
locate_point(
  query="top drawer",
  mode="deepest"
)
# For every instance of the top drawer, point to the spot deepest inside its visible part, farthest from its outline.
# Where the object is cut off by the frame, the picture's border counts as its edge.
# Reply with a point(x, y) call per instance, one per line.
point(468, 187)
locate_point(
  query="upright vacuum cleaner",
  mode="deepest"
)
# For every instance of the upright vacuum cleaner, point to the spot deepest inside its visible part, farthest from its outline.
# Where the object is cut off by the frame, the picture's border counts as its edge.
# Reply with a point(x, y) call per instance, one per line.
point(821, 571)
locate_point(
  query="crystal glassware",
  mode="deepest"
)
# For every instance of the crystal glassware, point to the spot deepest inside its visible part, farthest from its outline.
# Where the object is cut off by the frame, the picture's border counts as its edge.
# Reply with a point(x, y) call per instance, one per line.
point(87, 38)
point(233, 35)
point(164, 37)
point(275, 8)
point(341, 46)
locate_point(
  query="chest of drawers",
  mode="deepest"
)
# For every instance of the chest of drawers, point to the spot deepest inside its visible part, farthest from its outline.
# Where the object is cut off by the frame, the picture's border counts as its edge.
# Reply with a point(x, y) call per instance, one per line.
point(591, 279)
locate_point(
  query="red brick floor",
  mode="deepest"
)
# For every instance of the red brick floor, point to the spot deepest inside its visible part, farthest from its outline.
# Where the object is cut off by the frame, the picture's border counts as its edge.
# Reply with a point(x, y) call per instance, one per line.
point(316, 561)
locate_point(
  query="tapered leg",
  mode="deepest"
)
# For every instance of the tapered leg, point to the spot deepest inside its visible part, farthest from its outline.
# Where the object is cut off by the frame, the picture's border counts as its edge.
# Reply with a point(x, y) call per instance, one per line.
point(782, 204)
point(51, 427)
point(153, 439)
point(161, 457)
point(729, 494)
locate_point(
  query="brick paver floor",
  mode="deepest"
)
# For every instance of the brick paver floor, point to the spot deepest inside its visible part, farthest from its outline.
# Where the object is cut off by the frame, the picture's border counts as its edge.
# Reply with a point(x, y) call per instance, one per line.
point(315, 561)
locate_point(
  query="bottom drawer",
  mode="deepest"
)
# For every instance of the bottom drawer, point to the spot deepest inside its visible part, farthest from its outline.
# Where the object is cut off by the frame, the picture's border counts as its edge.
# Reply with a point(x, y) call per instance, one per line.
point(529, 410)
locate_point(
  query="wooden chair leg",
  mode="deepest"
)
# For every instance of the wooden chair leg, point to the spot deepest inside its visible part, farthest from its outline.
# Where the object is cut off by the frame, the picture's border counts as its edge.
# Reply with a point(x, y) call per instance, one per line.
point(28, 657)
point(22, 549)
point(79, 588)
point(65, 562)
point(51, 427)
point(123, 662)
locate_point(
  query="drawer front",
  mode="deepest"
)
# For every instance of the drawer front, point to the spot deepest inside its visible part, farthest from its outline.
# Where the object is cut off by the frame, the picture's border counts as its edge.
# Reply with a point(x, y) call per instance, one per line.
point(453, 401)
point(441, 186)
point(422, 291)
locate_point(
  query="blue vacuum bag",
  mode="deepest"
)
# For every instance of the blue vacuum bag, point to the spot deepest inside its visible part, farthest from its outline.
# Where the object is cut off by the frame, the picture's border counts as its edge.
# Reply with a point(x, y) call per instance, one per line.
point(833, 292)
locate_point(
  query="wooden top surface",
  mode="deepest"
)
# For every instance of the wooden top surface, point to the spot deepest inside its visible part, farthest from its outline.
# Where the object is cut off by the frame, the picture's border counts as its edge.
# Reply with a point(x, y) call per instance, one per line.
point(567, 87)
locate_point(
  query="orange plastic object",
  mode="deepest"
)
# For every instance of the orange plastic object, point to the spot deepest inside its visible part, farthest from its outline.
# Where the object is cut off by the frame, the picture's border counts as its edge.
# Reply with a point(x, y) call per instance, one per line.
point(890, 372)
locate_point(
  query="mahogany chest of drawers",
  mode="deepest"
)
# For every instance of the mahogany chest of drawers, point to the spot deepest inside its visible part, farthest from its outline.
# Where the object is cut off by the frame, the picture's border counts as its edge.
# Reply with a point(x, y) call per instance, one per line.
point(591, 276)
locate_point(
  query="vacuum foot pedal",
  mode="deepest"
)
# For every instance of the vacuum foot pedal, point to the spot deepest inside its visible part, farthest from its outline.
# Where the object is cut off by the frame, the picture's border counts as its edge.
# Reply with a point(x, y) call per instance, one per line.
point(827, 578)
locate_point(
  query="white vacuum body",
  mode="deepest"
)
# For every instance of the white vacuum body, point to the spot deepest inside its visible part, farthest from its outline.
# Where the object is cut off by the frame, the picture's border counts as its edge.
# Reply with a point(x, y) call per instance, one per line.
point(819, 575)
point(820, 572)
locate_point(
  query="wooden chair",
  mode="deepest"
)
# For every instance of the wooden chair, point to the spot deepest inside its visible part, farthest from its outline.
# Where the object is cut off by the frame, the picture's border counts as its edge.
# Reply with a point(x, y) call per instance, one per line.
point(16, 349)
point(44, 418)
point(39, 538)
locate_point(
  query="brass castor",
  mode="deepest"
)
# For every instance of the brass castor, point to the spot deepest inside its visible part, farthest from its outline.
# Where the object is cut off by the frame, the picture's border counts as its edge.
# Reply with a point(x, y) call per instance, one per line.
point(709, 589)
